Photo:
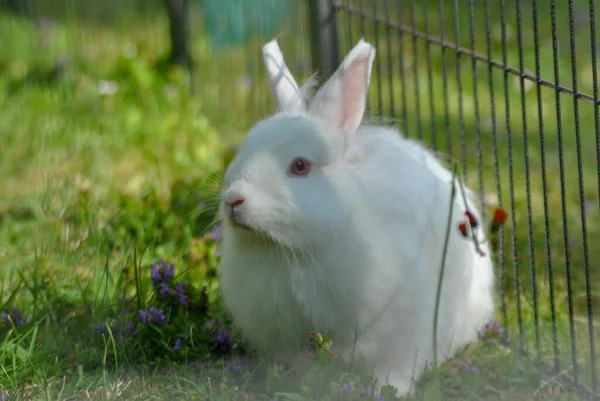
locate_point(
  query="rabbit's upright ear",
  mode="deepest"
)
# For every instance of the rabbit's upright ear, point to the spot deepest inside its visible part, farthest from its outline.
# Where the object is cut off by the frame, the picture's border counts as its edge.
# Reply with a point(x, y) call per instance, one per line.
point(284, 88)
point(341, 102)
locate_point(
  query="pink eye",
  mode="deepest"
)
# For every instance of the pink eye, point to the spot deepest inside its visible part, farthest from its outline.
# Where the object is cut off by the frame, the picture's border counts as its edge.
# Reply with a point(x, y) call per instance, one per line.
point(299, 167)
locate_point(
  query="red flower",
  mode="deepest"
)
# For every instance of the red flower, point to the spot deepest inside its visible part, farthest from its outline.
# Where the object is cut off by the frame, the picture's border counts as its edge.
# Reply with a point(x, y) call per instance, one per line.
point(500, 217)
point(462, 227)
point(472, 220)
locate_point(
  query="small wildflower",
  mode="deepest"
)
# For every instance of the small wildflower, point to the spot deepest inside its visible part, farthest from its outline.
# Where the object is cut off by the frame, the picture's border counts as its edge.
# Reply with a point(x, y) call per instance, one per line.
point(164, 290)
point(14, 317)
point(493, 333)
point(101, 329)
point(222, 341)
point(237, 366)
point(4, 396)
point(158, 316)
point(183, 298)
point(168, 271)
point(472, 219)
point(215, 233)
point(155, 275)
point(130, 328)
point(177, 345)
point(500, 217)
point(462, 227)
point(348, 387)
point(151, 315)
point(467, 367)
point(161, 274)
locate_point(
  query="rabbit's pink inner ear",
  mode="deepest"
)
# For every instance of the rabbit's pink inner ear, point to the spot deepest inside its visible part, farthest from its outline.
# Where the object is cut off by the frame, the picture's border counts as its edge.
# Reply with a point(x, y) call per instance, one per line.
point(355, 85)
point(341, 101)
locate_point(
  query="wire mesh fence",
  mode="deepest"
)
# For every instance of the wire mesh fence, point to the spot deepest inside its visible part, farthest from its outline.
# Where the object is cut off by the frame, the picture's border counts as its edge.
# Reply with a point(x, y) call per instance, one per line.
point(509, 89)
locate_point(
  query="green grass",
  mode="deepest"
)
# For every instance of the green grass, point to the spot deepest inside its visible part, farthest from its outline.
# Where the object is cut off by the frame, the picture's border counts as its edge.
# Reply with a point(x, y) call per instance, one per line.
point(96, 187)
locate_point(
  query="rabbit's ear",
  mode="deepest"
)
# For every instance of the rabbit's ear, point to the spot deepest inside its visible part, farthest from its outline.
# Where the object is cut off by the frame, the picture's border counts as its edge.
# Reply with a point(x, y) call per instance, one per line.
point(341, 102)
point(284, 88)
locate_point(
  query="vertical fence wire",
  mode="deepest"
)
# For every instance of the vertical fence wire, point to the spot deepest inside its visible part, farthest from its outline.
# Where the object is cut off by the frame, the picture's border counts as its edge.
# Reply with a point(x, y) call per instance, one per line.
point(545, 187)
point(586, 262)
point(563, 188)
point(349, 25)
point(432, 112)
point(532, 264)
point(592, 13)
point(401, 72)
point(511, 174)
point(377, 59)
point(415, 65)
point(476, 106)
point(461, 118)
point(445, 77)
point(500, 251)
point(390, 67)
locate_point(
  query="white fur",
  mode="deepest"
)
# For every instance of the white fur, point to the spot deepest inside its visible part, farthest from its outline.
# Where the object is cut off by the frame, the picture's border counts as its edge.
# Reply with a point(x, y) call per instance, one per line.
point(353, 248)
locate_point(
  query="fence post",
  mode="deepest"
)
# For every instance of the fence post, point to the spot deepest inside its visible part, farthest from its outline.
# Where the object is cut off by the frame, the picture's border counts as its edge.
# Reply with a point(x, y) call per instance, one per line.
point(323, 36)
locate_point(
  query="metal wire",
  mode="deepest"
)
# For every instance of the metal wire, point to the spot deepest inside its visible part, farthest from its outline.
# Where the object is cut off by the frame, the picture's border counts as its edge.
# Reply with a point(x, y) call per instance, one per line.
point(401, 70)
point(476, 105)
point(444, 78)
point(532, 265)
point(415, 65)
point(390, 66)
point(586, 256)
point(563, 189)
point(461, 117)
point(592, 13)
point(377, 57)
point(545, 189)
point(444, 44)
point(432, 113)
point(511, 179)
point(500, 250)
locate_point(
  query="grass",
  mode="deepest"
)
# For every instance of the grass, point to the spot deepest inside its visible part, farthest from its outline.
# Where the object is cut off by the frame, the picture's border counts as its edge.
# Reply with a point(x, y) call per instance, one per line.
point(99, 184)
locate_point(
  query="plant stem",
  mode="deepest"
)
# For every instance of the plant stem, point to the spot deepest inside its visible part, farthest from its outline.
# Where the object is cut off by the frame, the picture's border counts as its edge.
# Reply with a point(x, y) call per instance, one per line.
point(441, 279)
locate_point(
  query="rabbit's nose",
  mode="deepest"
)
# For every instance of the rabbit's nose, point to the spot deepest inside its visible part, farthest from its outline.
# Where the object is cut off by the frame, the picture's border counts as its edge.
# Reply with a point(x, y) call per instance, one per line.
point(236, 202)
point(234, 199)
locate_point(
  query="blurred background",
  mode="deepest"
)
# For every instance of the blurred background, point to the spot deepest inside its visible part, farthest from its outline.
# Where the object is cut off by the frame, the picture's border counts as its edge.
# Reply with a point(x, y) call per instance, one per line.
point(112, 112)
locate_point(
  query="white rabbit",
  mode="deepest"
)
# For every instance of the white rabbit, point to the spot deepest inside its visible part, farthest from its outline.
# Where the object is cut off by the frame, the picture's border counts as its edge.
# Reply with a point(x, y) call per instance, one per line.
point(337, 227)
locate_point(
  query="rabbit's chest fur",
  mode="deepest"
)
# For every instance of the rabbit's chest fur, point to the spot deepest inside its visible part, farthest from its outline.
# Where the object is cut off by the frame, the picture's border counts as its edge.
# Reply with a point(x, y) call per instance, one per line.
point(279, 304)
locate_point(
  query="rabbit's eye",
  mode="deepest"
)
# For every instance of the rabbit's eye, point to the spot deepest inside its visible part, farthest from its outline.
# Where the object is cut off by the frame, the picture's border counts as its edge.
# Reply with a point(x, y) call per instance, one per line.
point(299, 167)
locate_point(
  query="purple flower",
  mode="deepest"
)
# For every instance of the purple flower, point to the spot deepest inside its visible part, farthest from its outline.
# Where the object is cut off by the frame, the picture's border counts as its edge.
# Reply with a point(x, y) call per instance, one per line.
point(177, 345)
point(158, 316)
point(215, 233)
point(236, 366)
point(101, 329)
point(144, 317)
point(222, 341)
point(164, 290)
point(151, 315)
point(14, 317)
point(130, 328)
point(183, 298)
point(467, 367)
point(168, 271)
point(348, 387)
point(4, 396)
point(161, 274)
point(155, 275)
